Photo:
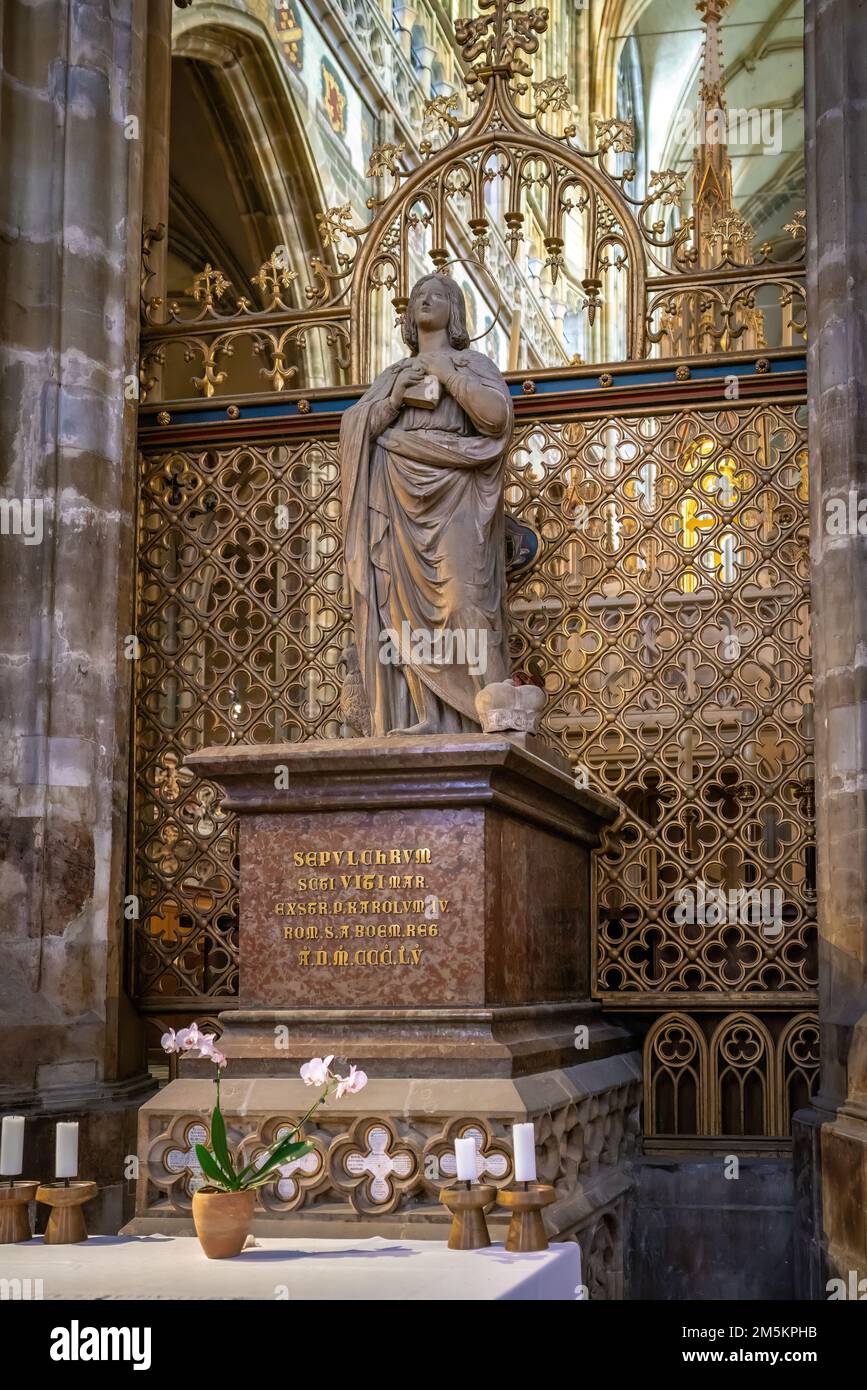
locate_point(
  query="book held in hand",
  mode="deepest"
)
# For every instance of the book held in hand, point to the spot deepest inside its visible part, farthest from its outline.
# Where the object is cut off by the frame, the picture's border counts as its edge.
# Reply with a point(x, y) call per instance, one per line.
point(425, 393)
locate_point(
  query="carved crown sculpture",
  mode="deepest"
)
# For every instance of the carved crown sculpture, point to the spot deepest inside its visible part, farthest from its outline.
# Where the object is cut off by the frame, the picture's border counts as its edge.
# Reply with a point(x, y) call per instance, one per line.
point(505, 705)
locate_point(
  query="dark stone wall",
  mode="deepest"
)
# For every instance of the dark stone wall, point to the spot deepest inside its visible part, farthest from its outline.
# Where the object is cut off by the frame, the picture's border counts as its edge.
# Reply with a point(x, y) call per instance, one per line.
point(696, 1235)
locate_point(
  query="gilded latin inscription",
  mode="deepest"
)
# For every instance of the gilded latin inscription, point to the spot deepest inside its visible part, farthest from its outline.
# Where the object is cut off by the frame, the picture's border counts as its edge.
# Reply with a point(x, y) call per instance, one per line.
point(319, 858)
point(398, 919)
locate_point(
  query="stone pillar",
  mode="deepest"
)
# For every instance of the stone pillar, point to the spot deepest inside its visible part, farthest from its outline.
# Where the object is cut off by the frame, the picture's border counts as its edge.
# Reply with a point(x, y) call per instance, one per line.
point(405, 13)
point(70, 193)
point(831, 1137)
point(155, 173)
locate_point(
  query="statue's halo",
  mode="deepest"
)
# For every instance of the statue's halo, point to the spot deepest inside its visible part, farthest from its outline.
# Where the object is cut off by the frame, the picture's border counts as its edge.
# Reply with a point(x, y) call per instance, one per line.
point(478, 265)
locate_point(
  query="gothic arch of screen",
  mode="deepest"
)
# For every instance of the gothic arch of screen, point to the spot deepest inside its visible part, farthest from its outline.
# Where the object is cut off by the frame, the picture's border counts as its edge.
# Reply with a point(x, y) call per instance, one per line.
point(658, 479)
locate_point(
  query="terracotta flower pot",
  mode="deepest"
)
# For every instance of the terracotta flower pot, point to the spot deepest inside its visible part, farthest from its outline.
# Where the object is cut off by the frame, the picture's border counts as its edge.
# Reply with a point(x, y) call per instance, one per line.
point(222, 1221)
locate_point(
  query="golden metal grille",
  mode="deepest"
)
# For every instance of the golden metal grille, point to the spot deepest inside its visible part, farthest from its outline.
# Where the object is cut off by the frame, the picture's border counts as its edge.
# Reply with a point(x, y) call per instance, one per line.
point(669, 620)
point(240, 620)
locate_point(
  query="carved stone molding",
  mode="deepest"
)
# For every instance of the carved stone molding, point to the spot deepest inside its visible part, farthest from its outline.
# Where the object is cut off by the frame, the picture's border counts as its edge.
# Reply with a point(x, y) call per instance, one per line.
point(394, 1162)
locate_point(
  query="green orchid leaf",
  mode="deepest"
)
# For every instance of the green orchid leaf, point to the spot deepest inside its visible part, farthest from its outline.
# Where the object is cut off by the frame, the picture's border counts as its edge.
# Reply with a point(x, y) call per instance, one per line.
point(284, 1153)
point(211, 1169)
point(290, 1148)
point(265, 1171)
point(275, 1161)
point(220, 1143)
point(284, 1149)
point(257, 1182)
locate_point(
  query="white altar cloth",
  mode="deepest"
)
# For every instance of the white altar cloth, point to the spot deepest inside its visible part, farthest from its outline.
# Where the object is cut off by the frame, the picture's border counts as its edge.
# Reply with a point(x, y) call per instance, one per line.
point(375, 1269)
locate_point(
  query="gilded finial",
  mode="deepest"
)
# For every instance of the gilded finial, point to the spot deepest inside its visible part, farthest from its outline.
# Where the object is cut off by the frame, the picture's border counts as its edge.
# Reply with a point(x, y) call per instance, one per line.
point(492, 43)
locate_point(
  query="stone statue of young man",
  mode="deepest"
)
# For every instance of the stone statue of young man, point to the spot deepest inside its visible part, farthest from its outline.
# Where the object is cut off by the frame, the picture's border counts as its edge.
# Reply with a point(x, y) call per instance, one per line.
point(422, 458)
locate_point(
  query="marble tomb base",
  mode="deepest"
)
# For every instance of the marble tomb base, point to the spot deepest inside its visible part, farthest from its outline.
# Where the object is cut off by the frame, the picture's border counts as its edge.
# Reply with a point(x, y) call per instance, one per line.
point(420, 907)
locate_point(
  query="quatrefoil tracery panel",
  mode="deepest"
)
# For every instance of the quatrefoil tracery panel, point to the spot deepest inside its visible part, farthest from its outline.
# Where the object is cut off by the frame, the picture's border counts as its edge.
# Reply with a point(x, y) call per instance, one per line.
point(493, 1156)
point(373, 1166)
point(172, 1165)
point(185, 1161)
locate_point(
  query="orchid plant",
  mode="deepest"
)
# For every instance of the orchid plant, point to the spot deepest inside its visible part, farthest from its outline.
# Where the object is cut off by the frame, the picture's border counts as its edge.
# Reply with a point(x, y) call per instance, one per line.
point(216, 1161)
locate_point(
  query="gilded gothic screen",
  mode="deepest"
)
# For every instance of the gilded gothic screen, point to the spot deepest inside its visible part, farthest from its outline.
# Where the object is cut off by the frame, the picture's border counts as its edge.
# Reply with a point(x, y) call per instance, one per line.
point(658, 551)
point(666, 612)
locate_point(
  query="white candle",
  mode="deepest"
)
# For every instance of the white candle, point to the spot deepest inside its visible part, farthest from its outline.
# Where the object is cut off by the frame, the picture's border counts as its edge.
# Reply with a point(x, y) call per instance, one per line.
point(66, 1150)
point(12, 1146)
point(465, 1157)
point(524, 1145)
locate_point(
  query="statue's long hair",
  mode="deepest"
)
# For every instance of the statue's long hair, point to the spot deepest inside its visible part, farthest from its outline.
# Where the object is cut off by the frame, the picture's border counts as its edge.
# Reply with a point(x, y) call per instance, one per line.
point(458, 333)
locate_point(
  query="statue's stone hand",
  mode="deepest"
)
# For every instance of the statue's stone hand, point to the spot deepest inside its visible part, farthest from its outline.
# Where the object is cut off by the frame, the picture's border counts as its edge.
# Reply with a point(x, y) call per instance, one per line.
point(424, 726)
point(409, 375)
point(438, 364)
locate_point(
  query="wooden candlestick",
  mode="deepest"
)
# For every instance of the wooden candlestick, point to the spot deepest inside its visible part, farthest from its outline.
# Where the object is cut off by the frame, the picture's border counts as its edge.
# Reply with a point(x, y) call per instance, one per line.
point(467, 1205)
point(526, 1228)
point(14, 1217)
point(66, 1222)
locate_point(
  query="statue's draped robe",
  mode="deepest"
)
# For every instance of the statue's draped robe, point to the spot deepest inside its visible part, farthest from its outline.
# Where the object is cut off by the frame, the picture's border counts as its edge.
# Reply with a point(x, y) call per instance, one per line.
point(424, 540)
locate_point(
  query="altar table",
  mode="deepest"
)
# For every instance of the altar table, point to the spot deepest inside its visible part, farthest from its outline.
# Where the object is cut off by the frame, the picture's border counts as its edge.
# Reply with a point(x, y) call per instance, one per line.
point(374, 1269)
